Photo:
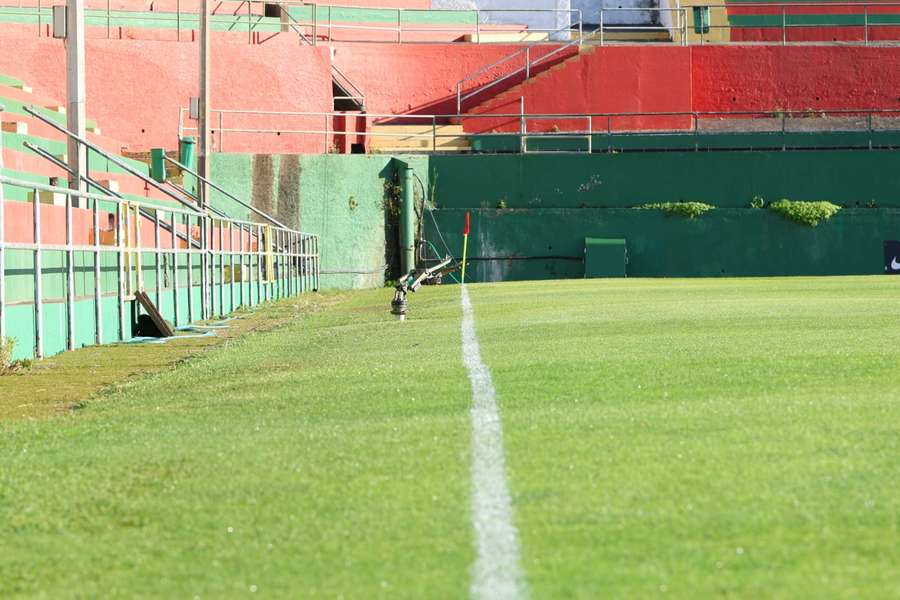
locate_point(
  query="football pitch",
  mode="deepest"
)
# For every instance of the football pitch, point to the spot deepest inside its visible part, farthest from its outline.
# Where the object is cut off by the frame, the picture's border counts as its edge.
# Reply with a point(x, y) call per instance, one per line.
point(629, 439)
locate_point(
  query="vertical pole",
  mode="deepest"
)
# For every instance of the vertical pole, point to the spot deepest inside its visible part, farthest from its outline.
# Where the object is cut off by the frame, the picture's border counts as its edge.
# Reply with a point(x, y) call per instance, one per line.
point(75, 92)
point(315, 23)
point(204, 267)
point(407, 223)
point(107, 19)
point(866, 23)
point(98, 281)
point(462, 279)
point(590, 123)
point(158, 247)
point(399, 25)
point(178, 20)
point(203, 158)
point(2, 242)
point(190, 268)
point(231, 262)
point(783, 27)
point(120, 293)
point(70, 278)
point(527, 62)
point(222, 268)
point(522, 146)
point(38, 283)
point(249, 23)
point(174, 222)
point(39, 17)
point(601, 26)
point(259, 295)
point(243, 256)
point(433, 133)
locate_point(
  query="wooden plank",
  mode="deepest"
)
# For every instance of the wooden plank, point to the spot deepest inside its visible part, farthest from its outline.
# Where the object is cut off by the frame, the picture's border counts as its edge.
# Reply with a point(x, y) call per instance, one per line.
point(152, 311)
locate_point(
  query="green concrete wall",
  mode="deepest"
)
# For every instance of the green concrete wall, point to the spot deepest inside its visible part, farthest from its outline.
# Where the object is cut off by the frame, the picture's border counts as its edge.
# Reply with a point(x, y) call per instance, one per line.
point(549, 243)
point(531, 213)
point(340, 197)
point(726, 179)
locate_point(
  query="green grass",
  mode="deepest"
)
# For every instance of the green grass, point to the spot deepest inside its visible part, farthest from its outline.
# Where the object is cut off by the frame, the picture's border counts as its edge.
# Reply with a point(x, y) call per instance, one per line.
point(700, 438)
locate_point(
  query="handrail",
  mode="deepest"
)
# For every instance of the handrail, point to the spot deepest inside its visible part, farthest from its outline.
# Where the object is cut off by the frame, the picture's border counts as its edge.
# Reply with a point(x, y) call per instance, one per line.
point(131, 170)
point(231, 196)
point(460, 98)
point(863, 11)
point(349, 86)
point(433, 123)
point(94, 183)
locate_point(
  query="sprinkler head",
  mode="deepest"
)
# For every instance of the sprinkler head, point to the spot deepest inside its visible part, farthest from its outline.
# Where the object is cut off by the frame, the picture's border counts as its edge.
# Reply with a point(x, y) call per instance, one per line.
point(398, 308)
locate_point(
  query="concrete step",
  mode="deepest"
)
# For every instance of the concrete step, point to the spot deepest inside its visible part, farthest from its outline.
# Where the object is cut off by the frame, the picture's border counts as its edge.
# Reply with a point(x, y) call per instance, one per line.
point(417, 138)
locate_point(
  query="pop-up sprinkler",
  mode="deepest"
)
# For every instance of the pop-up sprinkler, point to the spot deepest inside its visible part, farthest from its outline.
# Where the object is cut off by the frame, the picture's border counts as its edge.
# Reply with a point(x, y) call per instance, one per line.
point(412, 281)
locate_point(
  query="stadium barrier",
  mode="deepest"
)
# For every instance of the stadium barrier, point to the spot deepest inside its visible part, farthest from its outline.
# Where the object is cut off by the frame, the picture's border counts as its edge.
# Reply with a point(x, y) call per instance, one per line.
point(87, 248)
point(597, 132)
point(687, 23)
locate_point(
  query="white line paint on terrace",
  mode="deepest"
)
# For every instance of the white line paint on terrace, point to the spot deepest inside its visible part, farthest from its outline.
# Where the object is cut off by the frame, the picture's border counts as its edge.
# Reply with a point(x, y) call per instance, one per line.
point(497, 574)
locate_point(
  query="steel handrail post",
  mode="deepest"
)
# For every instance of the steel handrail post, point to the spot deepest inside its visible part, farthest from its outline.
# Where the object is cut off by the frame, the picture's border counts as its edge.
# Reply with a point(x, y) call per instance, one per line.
point(107, 19)
point(601, 27)
point(783, 26)
point(399, 26)
point(98, 282)
point(174, 222)
point(38, 276)
point(70, 278)
point(178, 20)
point(866, 23)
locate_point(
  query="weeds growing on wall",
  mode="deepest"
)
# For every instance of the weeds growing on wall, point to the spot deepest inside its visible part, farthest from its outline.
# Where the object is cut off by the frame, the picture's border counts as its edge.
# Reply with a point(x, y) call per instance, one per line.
point(805, 213)
point(685, 209)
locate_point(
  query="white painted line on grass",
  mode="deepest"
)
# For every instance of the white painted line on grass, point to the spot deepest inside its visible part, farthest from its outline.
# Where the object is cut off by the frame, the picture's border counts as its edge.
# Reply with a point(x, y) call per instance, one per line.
point(497, 574)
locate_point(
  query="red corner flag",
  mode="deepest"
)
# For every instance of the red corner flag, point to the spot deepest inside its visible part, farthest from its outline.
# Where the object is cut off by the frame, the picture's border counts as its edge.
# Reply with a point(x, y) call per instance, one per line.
point(466, 228)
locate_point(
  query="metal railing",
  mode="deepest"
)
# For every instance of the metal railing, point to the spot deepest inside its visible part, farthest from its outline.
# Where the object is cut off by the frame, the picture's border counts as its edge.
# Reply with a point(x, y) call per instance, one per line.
point(526, 68)
point(777, 23)
point(396, 25)
point(591, 127)
point(171, 249)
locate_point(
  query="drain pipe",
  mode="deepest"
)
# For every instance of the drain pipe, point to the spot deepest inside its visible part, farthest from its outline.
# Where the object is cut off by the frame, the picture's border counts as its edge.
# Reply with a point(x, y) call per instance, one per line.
point(407, 221)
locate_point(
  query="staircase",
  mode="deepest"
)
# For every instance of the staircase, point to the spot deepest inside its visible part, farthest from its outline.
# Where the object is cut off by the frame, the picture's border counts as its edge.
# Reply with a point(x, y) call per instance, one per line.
point(35, 151)
point(390, 139)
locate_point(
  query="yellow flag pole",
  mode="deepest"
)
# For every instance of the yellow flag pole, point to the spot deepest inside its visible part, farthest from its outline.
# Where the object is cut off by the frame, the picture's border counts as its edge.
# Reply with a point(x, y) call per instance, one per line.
point(465, 249)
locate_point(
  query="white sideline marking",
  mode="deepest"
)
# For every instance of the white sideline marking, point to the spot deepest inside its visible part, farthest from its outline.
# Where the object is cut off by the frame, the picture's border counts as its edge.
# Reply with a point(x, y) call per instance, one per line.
point(496, 574)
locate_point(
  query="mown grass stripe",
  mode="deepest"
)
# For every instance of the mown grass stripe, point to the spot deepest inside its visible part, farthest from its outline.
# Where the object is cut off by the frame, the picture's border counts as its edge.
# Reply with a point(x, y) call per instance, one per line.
point(497, 573)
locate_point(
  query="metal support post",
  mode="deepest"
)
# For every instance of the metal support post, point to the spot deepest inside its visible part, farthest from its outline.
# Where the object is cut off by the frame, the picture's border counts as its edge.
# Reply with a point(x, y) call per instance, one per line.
point(203, 158)
point(98, 276)
point(407, 223)
point(70, 278)
point(38, 283)
point(75, 93)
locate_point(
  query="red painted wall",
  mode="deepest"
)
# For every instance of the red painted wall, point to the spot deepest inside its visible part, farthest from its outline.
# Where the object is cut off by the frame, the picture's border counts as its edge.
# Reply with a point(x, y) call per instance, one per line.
point(821, 77)
point(699, 78)
point(421, 78)
point(600, 80)
point(135, 88)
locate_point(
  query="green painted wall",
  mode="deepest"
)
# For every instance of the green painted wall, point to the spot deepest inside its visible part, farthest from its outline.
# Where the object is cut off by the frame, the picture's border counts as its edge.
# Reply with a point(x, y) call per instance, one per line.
point(340, 197)
point(549, 243)
point(727, 179)
point(552, 202)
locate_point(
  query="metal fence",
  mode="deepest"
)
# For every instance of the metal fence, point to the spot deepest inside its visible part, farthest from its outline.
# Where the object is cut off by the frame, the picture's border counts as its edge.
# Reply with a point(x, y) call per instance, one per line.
point(599, 131)
point(750, 22)
point(196, 263)
point(256, 17)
